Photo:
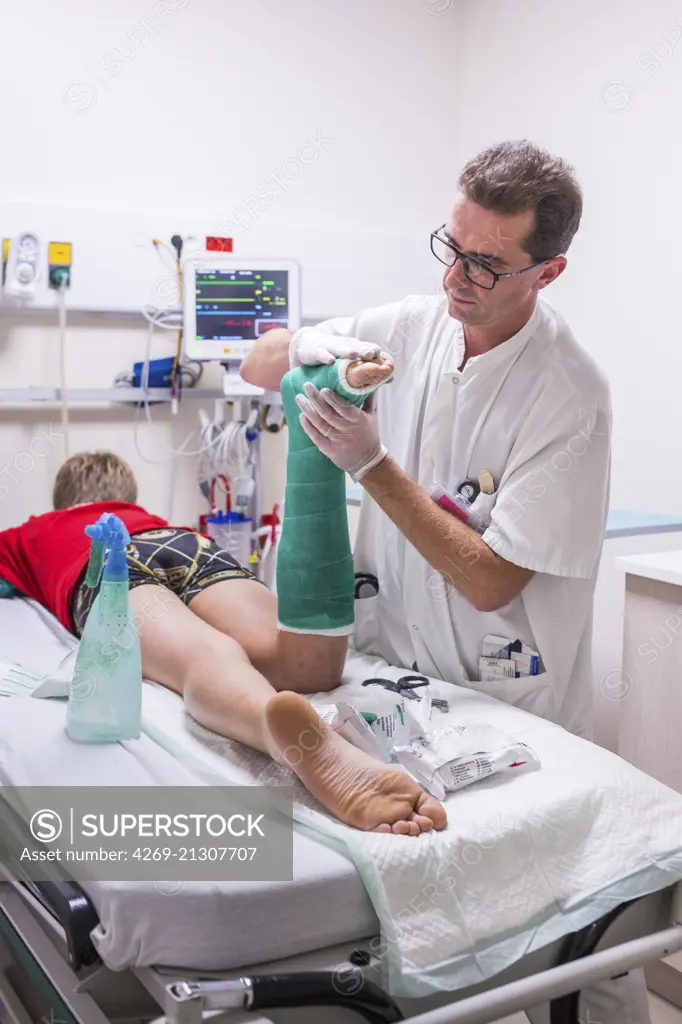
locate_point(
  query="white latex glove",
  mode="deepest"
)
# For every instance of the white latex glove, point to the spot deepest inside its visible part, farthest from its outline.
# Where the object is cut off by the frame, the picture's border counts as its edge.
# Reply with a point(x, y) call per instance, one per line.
point(348, 436)
point(311, 346)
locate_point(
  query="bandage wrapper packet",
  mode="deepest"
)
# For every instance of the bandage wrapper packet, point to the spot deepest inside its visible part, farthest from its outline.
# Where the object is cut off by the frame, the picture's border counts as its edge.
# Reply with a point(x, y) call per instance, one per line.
point(441, 760)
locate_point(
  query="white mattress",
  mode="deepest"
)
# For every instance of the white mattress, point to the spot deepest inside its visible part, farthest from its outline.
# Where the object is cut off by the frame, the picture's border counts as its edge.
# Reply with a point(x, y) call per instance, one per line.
point(203, 925)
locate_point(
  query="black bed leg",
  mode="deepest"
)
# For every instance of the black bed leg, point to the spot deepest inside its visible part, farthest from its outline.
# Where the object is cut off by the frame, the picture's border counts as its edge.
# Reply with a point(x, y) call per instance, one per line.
point(566, 1010)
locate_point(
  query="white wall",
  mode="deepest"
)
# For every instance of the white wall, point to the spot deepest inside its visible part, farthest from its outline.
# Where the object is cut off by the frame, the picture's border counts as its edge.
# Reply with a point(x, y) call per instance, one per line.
point(601, 84)
point(225, 92)
point(191, 106)
point(188, 106)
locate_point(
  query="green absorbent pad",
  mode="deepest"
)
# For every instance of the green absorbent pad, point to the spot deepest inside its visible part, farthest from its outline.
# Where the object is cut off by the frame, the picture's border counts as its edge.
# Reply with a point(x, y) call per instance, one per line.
point(315, 574)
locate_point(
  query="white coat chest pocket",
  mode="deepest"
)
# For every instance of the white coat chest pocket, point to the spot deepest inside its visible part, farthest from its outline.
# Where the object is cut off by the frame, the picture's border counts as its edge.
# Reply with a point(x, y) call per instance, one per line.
point(530, 693)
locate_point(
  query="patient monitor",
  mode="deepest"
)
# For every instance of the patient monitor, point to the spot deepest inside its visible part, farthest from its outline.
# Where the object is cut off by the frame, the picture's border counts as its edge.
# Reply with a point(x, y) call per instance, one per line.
point(229, 303)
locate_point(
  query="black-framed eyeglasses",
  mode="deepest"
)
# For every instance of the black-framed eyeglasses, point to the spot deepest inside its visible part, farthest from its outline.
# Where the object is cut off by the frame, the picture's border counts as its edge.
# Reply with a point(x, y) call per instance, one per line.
point(474, 270)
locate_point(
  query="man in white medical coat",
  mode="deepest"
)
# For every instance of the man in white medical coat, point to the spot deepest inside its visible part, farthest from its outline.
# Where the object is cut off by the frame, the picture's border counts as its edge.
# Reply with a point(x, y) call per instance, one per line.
point(492, 397)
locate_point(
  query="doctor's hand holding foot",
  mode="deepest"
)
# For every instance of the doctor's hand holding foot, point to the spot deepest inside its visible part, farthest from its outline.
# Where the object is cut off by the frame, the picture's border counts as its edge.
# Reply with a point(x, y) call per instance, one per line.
point(346, 434)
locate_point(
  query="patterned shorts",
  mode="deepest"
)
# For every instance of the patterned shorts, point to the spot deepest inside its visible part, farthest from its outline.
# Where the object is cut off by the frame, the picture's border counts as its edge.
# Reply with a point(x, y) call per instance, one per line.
point(179, 560)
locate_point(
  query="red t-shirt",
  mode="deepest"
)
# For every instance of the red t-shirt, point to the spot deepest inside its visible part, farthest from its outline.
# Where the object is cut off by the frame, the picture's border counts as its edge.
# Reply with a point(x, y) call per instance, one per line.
point(45, 556)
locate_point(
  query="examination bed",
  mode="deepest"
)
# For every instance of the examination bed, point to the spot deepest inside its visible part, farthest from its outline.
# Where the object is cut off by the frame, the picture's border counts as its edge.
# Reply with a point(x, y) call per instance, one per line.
point(316, 948)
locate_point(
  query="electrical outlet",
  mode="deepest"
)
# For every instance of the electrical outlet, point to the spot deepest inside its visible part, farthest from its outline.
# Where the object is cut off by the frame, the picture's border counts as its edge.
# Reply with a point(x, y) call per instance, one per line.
point(59, 259)
point(60, 277)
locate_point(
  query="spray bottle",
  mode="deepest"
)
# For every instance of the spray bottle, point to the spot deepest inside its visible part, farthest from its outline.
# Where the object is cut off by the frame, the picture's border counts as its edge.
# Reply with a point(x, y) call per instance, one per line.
point(105, 698)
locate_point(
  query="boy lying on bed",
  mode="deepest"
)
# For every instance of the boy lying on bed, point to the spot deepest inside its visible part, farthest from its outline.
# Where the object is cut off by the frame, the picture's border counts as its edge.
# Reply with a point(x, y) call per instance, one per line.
point(210, 632)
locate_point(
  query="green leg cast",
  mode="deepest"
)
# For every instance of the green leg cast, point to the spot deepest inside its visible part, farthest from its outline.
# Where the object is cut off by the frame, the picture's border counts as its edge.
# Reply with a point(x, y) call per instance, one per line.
point(315, 575)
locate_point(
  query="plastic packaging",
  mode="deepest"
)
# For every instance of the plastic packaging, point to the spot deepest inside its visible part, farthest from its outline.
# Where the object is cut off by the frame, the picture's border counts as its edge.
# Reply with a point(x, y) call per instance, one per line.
point(378, 734)
point(349, 723)
point(406, 722)
point(17, 681)
point(454, 757)
point(232, 531)
point(105, 694)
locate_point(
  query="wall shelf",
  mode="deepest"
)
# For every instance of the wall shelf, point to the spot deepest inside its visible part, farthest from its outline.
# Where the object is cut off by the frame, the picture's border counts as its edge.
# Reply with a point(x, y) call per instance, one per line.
point(76, 396)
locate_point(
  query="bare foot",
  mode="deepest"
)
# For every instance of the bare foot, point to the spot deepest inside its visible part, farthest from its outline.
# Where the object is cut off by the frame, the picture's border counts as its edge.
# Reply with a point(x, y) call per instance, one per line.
point(360, 372)
point(360, 791)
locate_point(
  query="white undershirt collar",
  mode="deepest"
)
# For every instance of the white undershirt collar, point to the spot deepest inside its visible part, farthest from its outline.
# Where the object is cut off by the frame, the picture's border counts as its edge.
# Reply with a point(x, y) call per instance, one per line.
point(497, 356)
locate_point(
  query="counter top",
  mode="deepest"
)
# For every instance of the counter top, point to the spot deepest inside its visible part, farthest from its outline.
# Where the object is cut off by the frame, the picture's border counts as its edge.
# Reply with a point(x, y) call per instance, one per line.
point(624, 523)
point(664, 566)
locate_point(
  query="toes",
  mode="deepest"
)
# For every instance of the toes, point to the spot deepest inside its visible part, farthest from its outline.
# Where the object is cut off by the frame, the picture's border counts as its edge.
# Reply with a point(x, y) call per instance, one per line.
point(406, 828)
point(433, 809)
point(361, 374)
point(425, 824)
point(400, 828)
point(382, 828)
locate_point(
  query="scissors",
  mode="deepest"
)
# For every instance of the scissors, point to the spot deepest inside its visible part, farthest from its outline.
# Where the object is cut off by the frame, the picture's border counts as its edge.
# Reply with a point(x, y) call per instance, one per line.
point(366, 579)
point(406, 686)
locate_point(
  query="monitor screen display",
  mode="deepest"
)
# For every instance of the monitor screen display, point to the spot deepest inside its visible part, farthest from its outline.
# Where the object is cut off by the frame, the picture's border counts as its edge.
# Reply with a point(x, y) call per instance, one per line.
point(240, 305)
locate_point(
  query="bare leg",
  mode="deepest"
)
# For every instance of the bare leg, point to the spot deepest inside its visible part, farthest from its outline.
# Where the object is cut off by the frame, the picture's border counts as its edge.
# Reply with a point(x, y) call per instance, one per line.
point(247, 612)
point(224, 692)
point(221, 688)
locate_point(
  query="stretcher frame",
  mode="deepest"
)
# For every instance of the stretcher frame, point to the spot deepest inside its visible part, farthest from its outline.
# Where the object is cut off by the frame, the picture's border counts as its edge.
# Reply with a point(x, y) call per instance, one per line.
point(50, 972)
